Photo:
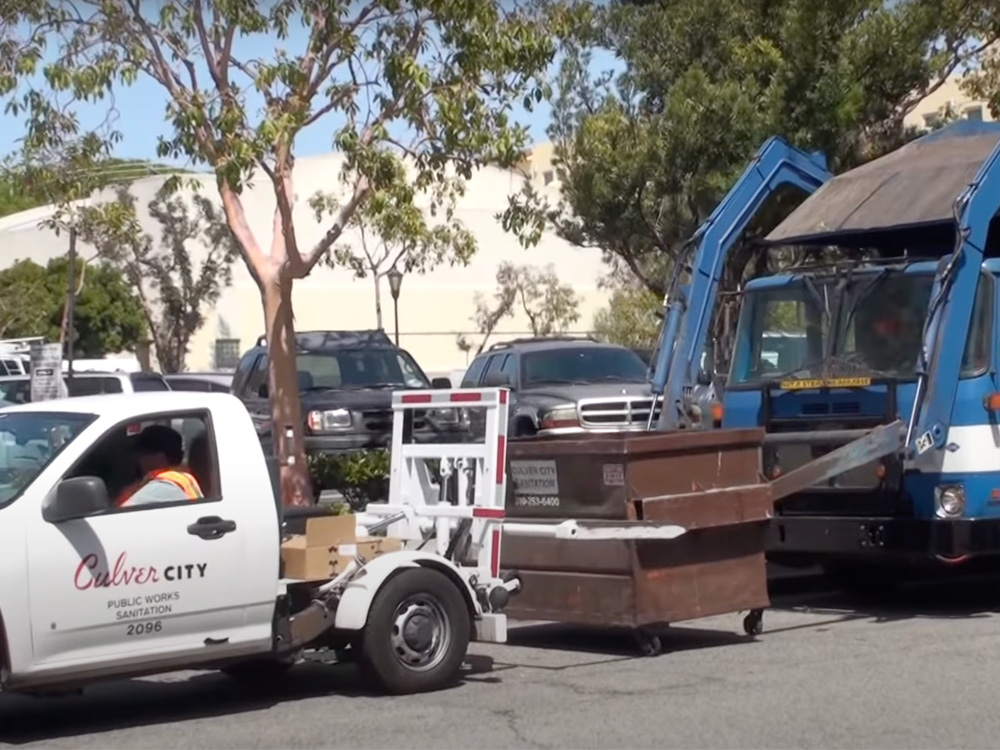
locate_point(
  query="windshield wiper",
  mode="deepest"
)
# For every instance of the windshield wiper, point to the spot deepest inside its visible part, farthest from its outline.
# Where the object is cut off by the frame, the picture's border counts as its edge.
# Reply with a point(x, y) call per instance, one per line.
point(881, 276)
point(553, 381)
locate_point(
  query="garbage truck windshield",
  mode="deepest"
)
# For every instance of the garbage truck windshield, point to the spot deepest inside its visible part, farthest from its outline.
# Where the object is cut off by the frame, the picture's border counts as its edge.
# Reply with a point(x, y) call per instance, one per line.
point(870, 325)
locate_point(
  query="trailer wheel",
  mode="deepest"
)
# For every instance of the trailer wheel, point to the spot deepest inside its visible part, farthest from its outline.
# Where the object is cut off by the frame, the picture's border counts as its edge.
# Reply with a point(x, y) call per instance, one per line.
point(417, 633)
point(753, 623)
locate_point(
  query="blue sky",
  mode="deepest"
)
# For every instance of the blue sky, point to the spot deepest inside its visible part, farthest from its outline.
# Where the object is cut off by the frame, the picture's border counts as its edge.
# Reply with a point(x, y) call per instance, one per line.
point(139, 112)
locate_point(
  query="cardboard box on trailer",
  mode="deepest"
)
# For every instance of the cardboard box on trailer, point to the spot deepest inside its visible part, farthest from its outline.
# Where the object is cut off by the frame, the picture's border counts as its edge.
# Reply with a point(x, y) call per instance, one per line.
point(329, 544)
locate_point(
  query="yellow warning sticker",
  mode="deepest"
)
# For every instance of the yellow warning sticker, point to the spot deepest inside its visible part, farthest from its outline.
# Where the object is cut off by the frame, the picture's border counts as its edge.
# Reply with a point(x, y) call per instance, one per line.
point(799, 385)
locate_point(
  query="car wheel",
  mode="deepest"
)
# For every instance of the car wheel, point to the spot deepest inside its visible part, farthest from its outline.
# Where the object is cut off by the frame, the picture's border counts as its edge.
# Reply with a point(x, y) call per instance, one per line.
point(524, 428)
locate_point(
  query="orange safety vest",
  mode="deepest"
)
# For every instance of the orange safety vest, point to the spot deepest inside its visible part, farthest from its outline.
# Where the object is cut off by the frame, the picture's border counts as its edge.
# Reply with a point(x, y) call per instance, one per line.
point(180, 477)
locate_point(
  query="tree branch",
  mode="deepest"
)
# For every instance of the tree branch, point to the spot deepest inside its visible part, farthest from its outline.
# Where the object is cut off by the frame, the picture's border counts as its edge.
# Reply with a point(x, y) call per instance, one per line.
point(362, 190)
point(168, 78)
point(362, 187)
point(236, 217)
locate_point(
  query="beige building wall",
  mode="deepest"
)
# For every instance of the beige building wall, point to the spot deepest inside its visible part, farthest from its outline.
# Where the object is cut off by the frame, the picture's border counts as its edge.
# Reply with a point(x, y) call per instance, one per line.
point(434, 308)
point(948, 98)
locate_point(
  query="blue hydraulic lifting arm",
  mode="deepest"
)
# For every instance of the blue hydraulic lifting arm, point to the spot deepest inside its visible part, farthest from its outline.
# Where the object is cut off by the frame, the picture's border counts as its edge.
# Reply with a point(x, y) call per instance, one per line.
point(950, 314)
point(690, 307)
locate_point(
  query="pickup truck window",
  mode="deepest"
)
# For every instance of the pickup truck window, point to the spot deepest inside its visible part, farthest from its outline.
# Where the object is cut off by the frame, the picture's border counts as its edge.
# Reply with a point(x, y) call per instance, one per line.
point(113, 459)
point(28, 443)
point(257, 378)
point(582, 366)
point(359, 368)
point(471, 378)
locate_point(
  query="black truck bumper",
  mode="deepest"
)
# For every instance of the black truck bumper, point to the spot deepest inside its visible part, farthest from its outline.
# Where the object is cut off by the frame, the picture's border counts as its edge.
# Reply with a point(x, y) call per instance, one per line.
point(815, 539)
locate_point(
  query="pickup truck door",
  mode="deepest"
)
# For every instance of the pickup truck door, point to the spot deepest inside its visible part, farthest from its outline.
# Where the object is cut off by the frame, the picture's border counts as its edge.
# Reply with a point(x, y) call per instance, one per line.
point(177, 583)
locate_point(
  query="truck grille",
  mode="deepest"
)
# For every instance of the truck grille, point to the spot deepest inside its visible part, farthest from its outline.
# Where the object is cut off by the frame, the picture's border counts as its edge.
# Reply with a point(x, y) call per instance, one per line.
point(618, 412)
point(381, 420)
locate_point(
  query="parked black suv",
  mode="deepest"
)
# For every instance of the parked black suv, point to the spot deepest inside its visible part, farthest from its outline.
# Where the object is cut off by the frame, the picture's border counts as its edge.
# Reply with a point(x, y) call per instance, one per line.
point(346, 380)
point(565, 385)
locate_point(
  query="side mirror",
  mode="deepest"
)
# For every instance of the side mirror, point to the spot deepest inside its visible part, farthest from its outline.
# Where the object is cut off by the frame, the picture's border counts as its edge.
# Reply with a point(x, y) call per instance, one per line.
point(74, 498)
point(441, 383)
point(262, 392)
point(497, 380)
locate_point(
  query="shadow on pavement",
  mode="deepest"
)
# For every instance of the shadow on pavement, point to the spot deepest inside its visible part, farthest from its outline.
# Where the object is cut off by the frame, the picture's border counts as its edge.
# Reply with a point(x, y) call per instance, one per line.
point(615, 642)
point(945, 596)
point(136, 703)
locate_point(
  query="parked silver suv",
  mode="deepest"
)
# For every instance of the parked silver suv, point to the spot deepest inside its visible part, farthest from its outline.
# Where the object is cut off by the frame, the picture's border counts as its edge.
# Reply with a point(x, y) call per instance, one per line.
point(565, 385)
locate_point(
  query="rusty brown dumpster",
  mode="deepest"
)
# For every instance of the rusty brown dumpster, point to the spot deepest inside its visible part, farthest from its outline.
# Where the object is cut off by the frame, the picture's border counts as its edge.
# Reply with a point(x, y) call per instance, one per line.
point(708, 482)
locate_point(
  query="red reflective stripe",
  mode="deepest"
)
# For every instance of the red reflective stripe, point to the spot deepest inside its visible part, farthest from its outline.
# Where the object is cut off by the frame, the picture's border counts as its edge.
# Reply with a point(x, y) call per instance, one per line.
point(501, 457)
point(495, 555)
point(467, 397)
point(503, 396)
point(489, 513)
point(416, 398)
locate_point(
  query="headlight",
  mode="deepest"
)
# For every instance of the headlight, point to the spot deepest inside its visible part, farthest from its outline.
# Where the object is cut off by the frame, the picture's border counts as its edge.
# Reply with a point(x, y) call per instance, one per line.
point(949, 501)
point(327, 421)
point(446, 416)
point(564, 415)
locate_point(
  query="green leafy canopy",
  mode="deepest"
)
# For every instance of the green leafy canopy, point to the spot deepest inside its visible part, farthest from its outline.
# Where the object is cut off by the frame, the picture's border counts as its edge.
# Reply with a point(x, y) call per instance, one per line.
point(109, 317)
point(646, 153)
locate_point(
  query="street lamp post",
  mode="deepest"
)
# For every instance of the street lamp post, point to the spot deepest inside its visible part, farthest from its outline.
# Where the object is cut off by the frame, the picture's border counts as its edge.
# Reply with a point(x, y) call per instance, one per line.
point(395, 277)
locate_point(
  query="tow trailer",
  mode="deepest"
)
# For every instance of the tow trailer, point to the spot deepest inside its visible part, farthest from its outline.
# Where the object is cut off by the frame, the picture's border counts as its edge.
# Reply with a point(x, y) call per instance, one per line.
point(469, 527)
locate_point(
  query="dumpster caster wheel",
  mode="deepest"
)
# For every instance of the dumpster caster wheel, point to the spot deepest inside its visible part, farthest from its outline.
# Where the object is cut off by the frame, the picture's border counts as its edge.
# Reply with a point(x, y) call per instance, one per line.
point(753, 623)
point(649, 643)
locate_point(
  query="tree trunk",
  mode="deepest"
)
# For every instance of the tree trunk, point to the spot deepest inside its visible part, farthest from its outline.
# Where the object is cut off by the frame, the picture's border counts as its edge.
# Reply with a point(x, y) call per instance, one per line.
point(378, 301)
point(286, 411)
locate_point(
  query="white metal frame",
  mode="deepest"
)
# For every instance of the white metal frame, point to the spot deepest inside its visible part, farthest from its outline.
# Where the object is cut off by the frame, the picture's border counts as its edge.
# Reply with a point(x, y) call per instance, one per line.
point(480, 466)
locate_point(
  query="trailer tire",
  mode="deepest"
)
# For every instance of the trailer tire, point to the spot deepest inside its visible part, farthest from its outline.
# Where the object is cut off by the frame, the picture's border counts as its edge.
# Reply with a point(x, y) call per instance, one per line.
point(417, 633)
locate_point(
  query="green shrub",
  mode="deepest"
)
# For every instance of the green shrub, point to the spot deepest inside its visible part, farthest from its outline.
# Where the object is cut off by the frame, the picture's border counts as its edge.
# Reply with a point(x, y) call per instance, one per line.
point(361, 477)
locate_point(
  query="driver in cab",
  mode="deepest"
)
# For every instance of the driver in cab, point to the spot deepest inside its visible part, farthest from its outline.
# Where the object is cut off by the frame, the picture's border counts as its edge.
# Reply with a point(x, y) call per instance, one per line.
point(160, 453)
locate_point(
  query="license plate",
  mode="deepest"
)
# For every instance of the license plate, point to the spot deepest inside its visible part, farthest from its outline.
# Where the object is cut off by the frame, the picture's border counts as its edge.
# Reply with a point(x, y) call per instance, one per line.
point(799, 385)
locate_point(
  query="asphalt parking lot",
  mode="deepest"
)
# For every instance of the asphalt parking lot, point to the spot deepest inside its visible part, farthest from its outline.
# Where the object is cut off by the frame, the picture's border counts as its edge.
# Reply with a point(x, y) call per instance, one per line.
point(917, 670)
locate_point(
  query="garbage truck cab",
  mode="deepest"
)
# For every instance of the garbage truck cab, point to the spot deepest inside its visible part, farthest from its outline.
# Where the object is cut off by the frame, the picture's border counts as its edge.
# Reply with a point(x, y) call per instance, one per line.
point(903, 334)
point(860, 331)
point(876, 376)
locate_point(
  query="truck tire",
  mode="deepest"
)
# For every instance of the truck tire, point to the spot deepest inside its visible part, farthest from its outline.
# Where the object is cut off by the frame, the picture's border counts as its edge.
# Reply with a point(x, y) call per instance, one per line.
point(417, 633)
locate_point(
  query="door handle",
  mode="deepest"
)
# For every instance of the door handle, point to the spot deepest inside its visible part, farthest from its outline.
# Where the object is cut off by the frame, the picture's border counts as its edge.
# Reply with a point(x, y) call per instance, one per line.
point(211, 527)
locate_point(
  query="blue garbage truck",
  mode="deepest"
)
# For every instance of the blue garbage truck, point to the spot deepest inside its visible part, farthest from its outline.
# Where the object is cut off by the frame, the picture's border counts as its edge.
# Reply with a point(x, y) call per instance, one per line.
point(877, 375)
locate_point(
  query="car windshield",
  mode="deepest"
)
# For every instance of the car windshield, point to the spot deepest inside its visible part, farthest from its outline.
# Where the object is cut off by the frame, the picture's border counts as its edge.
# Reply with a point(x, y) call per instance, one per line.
point(359, 368)
point(871, 327)
point(28, 443)
point(582, 366)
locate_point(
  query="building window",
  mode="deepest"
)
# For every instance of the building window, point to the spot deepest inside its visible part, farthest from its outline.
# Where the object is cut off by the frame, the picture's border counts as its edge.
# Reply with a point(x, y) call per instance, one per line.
point(548, 175)
point(227, 354)
point(932, 121)
point(974, 113)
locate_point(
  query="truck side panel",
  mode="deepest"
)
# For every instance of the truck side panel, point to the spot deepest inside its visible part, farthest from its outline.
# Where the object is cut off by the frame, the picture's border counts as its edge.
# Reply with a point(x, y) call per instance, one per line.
point(128, 589)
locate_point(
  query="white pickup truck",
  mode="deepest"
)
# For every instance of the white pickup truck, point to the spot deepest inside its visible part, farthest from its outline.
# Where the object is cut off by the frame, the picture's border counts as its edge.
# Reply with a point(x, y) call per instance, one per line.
point(89, 591)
